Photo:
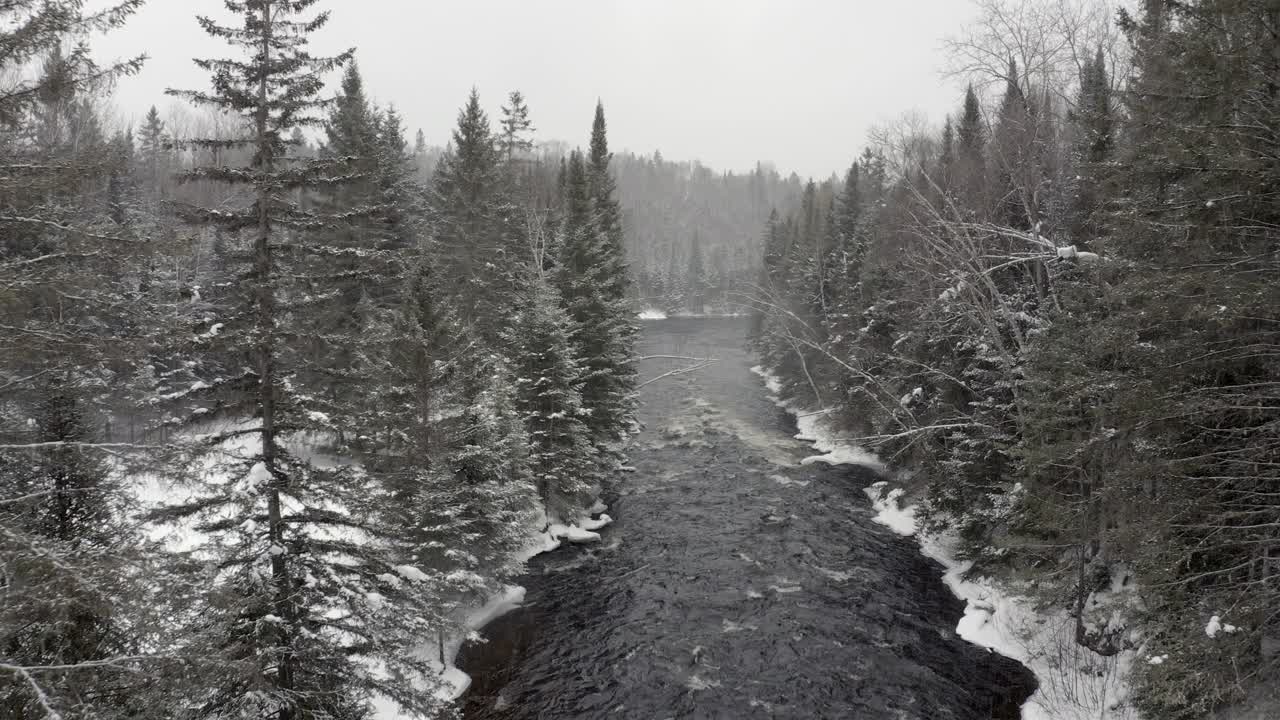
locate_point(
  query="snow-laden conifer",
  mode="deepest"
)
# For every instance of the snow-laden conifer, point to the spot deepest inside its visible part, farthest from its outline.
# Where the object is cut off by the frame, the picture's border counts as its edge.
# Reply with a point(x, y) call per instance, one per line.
point(311, 611)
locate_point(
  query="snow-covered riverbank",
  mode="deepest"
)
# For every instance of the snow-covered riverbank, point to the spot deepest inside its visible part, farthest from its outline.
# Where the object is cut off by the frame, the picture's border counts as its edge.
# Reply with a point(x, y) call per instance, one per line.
point(1074, 682)
point(477, 602)
point(453, 681)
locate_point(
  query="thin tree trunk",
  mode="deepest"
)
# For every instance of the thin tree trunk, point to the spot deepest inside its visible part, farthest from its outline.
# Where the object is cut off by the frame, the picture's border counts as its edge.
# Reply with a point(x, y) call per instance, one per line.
point(266, 385)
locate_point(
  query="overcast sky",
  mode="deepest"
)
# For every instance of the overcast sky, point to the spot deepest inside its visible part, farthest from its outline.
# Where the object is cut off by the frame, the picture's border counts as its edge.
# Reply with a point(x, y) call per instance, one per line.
point(728, 82)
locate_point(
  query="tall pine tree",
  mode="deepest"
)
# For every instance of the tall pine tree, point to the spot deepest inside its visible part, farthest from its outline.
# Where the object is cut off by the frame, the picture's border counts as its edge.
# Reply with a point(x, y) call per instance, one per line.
point(591, 277)
point(311, 614)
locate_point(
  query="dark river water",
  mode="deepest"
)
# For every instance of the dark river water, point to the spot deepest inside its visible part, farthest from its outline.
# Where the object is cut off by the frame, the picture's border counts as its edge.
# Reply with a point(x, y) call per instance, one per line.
point(735, 583)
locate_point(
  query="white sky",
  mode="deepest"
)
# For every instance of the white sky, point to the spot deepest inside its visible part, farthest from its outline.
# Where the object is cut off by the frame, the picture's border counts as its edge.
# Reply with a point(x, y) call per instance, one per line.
point(728, 82)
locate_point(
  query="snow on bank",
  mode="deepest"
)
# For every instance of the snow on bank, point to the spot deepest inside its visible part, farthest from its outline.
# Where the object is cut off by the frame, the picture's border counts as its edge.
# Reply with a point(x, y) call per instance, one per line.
point(891, 513)
point(813, 429)
point(453, 681)
point(834, 451)
point(656, 314)
point(230, 462)
point(1074, 682)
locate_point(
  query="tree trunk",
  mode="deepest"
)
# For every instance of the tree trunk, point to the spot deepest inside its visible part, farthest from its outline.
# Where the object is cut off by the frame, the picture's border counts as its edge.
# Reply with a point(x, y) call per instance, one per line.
point(282, 604)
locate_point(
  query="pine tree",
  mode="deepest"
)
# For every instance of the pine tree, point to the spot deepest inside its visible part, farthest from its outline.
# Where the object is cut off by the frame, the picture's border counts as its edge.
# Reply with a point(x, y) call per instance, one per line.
point(1092, 149)
point(120, 188)
point(472, 222)
point(1199, 226)
point(548, 384)
point(586, 277)
point(69, 643)
point(947, 159)
point(457, 465)
point(309, 614)
point(398, 197)
point(971, 163)
point(154, 156)
point(603, 190)
point(1014, 146)
point(971, 133)
point(843, 263)
point(486, 466)
point(516, 127)
point(593, 282)
point(696, 279)
point(848, 213)
point(73, 567)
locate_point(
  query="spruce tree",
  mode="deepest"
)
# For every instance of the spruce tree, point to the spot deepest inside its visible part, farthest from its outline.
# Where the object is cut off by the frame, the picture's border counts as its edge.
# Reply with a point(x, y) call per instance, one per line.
point(603, 189)
point(971, 139)
point(548, 382)
point(1091, 149)
point(843, 263)
point(311, 613)
point(153, 154)
point(1012, 150)
point(696, 278)
point(592, 279)
point(75, 570)
point(1199, 224)
point(516, 126)
point(472, 220)
point(456, 460)
point(947, 158)
point(587, 279)
point(70, 643)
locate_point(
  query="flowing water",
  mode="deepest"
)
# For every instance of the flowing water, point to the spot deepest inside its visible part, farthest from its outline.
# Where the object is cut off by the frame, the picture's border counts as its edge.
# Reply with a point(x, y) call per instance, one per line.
point(735, 582)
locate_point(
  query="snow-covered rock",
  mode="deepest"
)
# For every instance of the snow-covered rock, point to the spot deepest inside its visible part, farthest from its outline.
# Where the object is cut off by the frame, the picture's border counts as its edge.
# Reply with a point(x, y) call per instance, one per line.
point(573, 533)
point(411, 573)
point(1215, 626)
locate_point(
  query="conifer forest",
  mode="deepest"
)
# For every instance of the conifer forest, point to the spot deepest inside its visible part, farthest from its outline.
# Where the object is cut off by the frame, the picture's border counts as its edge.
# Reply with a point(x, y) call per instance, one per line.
point(308, 414)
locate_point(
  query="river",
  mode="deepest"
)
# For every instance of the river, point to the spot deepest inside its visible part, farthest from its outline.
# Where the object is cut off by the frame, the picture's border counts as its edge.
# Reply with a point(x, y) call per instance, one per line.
point(735, 582)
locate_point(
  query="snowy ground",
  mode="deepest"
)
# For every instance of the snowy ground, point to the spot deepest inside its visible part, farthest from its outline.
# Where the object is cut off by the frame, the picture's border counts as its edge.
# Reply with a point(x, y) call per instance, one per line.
point(154, 490)
point(1075, 683)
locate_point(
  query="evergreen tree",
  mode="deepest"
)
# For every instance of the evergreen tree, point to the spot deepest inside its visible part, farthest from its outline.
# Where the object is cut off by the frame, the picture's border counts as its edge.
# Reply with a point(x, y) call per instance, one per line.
point(457, 462)
point(971, 164)
point(309, 613)
point(472, 222)
point(73, 567)
point(516, 127)
point(1011, 149)
point(843, 263)
point(586, 277)
point(1198, 224)
point(971, 133)
point(696, 279)
point(70, 643)
point(595, 286)
point(153, 152)
point(548, 385)
point(947, 158)
point(1092, 149)
point(603, 191)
